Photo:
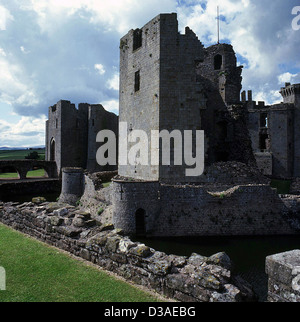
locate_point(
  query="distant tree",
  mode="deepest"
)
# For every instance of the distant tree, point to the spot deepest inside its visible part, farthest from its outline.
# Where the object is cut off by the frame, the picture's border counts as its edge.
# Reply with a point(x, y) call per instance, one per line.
point(32, 156)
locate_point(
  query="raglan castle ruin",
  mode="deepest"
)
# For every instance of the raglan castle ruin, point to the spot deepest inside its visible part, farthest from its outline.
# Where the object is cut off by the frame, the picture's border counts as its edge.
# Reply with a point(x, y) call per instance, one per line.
point(170, 81)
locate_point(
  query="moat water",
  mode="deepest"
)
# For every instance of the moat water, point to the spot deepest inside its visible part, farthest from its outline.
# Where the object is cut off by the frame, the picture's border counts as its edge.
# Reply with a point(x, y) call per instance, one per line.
point(247, 253)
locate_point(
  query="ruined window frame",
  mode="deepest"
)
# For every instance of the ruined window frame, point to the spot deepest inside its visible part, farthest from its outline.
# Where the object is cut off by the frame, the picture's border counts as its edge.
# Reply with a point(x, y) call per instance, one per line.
point(137, 39)
point(218, 62)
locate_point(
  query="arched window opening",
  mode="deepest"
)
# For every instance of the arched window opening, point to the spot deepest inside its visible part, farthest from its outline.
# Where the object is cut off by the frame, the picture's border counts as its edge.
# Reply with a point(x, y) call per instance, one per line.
point(218, 61)
point(52, 150)
point(140, 222)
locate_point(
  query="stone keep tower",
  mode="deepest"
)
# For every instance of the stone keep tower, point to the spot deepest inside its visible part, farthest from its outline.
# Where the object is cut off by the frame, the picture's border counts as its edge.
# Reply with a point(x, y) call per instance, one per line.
point(66, 135)
point(220, 68)
point(159, 89)
point(291, 95)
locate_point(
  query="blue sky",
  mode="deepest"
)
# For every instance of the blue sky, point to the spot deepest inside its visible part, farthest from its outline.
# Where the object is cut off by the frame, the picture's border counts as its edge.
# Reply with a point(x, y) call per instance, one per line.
point(69, 49)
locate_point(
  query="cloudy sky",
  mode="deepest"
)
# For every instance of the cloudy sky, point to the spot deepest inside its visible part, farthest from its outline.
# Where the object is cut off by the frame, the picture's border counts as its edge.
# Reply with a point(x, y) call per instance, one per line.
point(69, 49)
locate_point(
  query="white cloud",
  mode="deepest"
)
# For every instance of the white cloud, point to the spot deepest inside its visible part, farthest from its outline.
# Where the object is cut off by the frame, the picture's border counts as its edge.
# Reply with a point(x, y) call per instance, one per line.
point(111, 106)
point(100, 69)
point(113, 83)
point(286, 78)
point(13, 87)
point(2, 52)
point(113, 15)
point(5, 15)
point(24, 51)
point(28, 131)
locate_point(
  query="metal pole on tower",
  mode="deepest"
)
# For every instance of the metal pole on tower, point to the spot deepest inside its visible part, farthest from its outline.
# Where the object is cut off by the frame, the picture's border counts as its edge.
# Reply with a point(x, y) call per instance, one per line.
point(218, 18)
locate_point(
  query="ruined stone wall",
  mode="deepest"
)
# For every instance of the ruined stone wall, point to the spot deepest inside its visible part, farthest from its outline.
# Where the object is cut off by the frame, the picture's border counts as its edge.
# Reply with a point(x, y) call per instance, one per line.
point(225, 74)
point(181, 95)
point(280, 131)
point(242, 210)
point(74, 132)
point(67, 126)
point(194, 279)
point(53, 134)
point(99, 119)
point(14, 189)
point(194, 211)
point(284, 276)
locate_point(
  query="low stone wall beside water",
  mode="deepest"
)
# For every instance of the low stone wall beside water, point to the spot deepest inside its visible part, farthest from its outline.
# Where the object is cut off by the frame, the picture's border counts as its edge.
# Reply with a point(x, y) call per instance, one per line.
point(284, 276)
point(9, 190)
point(190, 279)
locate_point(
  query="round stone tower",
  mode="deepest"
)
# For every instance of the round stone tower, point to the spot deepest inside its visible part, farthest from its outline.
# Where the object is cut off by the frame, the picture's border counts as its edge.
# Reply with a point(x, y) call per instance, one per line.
point(72, 185)
point(136, 206)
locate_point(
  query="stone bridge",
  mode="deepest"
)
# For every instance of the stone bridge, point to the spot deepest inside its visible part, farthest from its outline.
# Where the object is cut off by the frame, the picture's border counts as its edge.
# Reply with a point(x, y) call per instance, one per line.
point(23, 166)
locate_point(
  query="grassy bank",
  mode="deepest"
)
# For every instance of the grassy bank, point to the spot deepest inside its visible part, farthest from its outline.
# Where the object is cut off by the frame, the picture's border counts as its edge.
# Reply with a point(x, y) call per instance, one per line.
point(36, 272)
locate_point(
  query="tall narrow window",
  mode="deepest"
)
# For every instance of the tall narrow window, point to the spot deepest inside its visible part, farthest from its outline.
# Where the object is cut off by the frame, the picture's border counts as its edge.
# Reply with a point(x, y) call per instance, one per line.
point(264, 120)
point(218, 60)
point(137, 39)
point(52, 150)
point(56, 123)
point(137, 81)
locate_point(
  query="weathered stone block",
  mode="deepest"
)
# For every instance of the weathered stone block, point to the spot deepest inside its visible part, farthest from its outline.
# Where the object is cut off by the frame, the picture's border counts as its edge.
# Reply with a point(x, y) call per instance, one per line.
point(141, 251)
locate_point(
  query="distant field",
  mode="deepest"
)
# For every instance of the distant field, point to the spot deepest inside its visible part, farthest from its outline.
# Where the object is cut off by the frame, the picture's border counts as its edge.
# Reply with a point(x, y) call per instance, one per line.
point(20, 154)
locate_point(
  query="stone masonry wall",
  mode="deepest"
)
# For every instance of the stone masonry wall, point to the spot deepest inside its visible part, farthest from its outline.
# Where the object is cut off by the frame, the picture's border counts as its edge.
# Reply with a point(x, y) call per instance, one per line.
point(197, 211)
point(284, 276)
point(194, 278)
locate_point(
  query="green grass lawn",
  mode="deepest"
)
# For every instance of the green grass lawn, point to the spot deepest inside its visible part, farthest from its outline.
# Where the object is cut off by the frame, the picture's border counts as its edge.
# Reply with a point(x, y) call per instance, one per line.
point(36, 272)
point(20, 154)
point(30, 174)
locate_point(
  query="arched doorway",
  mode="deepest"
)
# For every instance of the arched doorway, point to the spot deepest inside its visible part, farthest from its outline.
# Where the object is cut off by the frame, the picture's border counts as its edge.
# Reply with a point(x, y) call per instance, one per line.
point(140, 222)
point(52, 150)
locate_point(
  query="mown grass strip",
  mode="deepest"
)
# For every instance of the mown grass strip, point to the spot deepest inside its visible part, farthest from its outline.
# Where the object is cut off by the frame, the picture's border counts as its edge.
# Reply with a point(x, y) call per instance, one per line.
point(36, 272)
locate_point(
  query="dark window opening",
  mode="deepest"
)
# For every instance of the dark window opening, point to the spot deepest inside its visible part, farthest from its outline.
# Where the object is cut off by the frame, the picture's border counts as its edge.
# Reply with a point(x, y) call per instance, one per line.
point(263, 142)
point(140, 222)
point(52, 150)
point(137, 39)
point(218, 60)
point(56, 123)
point(93, 122)
point(137, 81)
point(264, 120)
